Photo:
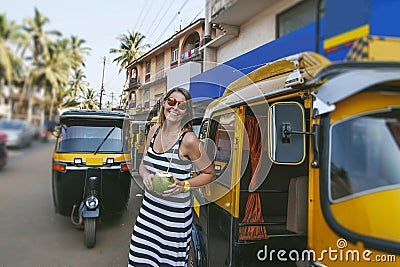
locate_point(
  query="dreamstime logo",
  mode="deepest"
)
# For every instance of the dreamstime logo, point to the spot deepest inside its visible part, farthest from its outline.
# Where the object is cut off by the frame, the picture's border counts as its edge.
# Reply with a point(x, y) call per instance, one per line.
point(332, 254)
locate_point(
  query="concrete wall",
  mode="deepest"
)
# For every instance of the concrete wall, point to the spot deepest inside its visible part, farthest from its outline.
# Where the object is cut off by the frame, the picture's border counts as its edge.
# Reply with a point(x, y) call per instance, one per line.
point(180, 76)
point(260, 30)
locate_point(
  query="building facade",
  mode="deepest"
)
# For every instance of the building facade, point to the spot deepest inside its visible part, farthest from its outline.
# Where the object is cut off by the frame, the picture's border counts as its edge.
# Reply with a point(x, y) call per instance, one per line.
point(255, 33)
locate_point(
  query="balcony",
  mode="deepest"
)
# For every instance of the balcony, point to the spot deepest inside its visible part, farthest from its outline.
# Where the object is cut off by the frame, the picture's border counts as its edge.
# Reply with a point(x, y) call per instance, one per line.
point(150, 80)
point(236, 12)
point(193, 54)
point(132, 105)
point(134, 83)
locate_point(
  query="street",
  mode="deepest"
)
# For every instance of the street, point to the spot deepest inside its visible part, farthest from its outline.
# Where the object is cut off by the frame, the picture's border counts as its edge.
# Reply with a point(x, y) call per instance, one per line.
point(32, 234)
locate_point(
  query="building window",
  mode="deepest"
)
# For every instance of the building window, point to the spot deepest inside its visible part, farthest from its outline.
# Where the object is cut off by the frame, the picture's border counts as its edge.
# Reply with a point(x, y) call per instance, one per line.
point(297, 17)
point(134, 74)
point(132, 101)
point(160, 66)
point(174, 54)
point(147, 98)
point(148, 70)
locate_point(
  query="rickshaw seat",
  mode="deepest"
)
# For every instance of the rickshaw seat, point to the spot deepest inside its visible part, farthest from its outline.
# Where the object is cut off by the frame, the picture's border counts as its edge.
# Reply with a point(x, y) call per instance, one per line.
point(297, 211)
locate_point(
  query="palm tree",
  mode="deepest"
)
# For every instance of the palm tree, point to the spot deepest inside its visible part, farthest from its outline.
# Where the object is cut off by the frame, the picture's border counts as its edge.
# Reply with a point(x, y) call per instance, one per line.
point(55, 63)
point(78, 84)
point(78, 51)
point(35, 27)
point(90, 99)
point(130, 49)
point(66, 100)
point(11, 65)
point(52, 73)
point(10, 62)
point(37, 40)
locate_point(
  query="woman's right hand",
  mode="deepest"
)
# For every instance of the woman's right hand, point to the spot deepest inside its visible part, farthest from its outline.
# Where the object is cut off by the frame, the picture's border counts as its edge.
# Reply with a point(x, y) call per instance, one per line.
point(148, 181)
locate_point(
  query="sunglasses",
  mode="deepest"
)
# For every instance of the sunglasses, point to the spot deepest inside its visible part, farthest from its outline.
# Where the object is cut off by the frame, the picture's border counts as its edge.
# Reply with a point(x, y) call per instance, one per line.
point(172, 102)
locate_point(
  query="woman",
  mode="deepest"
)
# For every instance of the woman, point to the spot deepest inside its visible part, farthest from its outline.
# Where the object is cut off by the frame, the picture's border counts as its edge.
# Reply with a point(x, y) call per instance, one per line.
point(162, 233)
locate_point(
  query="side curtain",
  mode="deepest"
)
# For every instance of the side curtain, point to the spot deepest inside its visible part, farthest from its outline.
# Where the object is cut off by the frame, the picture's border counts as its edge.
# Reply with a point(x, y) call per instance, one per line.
point(253, 212)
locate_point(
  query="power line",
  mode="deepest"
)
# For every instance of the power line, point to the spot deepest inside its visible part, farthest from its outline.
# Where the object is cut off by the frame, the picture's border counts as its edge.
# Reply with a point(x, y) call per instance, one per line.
point(204, 7)
point(145, 15)
point(161, 18)
point(158, 16)
point(140, 15)
point(172, 20)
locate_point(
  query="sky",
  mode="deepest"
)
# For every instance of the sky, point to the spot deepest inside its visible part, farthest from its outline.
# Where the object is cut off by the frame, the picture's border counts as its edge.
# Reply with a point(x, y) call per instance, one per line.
point(100, 22)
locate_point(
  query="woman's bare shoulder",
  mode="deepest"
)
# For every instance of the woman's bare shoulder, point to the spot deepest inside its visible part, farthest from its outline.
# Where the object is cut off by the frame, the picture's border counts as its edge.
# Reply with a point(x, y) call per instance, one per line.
point(190, 138)
point(152, 130)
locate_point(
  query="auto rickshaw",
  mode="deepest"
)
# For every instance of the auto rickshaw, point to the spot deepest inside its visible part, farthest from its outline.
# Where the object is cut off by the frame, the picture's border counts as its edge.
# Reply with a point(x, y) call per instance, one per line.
point(91, 167)
point(306, 156)
point(138, 136)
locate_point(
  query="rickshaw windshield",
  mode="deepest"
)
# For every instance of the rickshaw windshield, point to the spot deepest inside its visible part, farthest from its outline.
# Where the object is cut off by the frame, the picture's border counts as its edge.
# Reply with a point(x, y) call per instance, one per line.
point(89, 136)
point(365, 154)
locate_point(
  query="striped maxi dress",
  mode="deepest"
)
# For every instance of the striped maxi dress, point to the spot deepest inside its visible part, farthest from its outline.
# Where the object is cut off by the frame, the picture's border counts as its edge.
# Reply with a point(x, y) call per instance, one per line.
point(162, 232)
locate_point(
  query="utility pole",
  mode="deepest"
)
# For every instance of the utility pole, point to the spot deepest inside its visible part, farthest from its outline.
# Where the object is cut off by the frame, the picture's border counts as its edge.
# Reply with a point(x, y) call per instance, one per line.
point(112, 99)
point(102, 81)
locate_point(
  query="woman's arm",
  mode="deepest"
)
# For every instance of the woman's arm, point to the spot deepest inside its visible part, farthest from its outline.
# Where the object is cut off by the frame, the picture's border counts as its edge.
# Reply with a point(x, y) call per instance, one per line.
point(191, 148)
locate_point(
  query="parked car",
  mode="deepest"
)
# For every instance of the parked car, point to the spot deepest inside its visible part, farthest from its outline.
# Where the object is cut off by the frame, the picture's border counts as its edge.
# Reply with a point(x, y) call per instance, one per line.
point(3, 149)
point(19, 132)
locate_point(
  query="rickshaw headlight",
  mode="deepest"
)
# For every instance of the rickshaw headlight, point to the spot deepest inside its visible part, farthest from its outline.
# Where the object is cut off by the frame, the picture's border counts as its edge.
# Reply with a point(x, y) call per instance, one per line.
point(92, 202)
point(77, 161)
point(126, 167)
point(59, 167)
point(110, 161)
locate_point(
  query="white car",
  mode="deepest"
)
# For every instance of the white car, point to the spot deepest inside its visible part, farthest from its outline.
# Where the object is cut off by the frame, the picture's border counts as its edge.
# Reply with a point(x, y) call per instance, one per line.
point(20, 133)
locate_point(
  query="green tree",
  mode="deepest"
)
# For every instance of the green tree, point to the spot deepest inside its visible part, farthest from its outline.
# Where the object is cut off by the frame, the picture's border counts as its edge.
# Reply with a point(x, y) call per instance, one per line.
point(131, 47)
point(52, 73)
point(89, 99)
point(40, 37)
point(78, 84)
point(78, 51)
point(55, 63)
point(10, 63)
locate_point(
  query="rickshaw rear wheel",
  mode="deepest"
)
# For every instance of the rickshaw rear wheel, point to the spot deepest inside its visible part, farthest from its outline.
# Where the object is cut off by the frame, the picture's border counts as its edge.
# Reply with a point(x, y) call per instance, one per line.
point(192, 260)
point(90, 232)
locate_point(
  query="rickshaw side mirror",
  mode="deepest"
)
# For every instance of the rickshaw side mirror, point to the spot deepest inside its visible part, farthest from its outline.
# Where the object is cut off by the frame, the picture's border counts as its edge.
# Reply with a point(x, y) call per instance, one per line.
point(286, 125)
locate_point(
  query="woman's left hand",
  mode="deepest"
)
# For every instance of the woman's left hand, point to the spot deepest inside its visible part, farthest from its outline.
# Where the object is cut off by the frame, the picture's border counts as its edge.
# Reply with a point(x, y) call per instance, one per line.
point(175, 188)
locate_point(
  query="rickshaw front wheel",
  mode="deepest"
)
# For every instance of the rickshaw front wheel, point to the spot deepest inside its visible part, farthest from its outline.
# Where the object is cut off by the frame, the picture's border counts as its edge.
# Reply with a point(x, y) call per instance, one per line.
point(90, 232)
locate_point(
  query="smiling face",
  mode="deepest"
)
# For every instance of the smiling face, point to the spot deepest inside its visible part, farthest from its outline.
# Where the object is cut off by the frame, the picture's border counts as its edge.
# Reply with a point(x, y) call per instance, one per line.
point(177, 108)
point(174, 107)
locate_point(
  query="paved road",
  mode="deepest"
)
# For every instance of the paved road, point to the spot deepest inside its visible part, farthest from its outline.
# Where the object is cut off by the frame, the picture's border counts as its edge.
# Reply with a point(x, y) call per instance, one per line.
point(31, 234)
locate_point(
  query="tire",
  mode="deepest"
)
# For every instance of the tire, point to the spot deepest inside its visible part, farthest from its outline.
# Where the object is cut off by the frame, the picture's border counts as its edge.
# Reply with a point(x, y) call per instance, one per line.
point(192, 261)
point(90, 232)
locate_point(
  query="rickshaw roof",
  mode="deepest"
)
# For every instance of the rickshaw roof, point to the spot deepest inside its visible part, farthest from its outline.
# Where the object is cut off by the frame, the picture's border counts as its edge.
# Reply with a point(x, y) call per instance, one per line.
point(273, 78)
point(94, 114)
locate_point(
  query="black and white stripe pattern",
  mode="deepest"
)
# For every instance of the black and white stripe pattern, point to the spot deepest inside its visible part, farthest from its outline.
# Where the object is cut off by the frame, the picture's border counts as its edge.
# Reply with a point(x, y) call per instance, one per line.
point(162, 232)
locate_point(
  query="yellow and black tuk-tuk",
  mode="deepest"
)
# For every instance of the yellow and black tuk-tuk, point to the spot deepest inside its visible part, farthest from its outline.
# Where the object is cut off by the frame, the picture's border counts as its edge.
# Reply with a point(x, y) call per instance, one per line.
point(138, 140)
point(307, 157)
point(91, 167)
point(139, 131)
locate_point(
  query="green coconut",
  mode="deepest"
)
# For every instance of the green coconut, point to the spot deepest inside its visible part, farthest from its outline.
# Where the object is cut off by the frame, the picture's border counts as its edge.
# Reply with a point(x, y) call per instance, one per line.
point(161, 181)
